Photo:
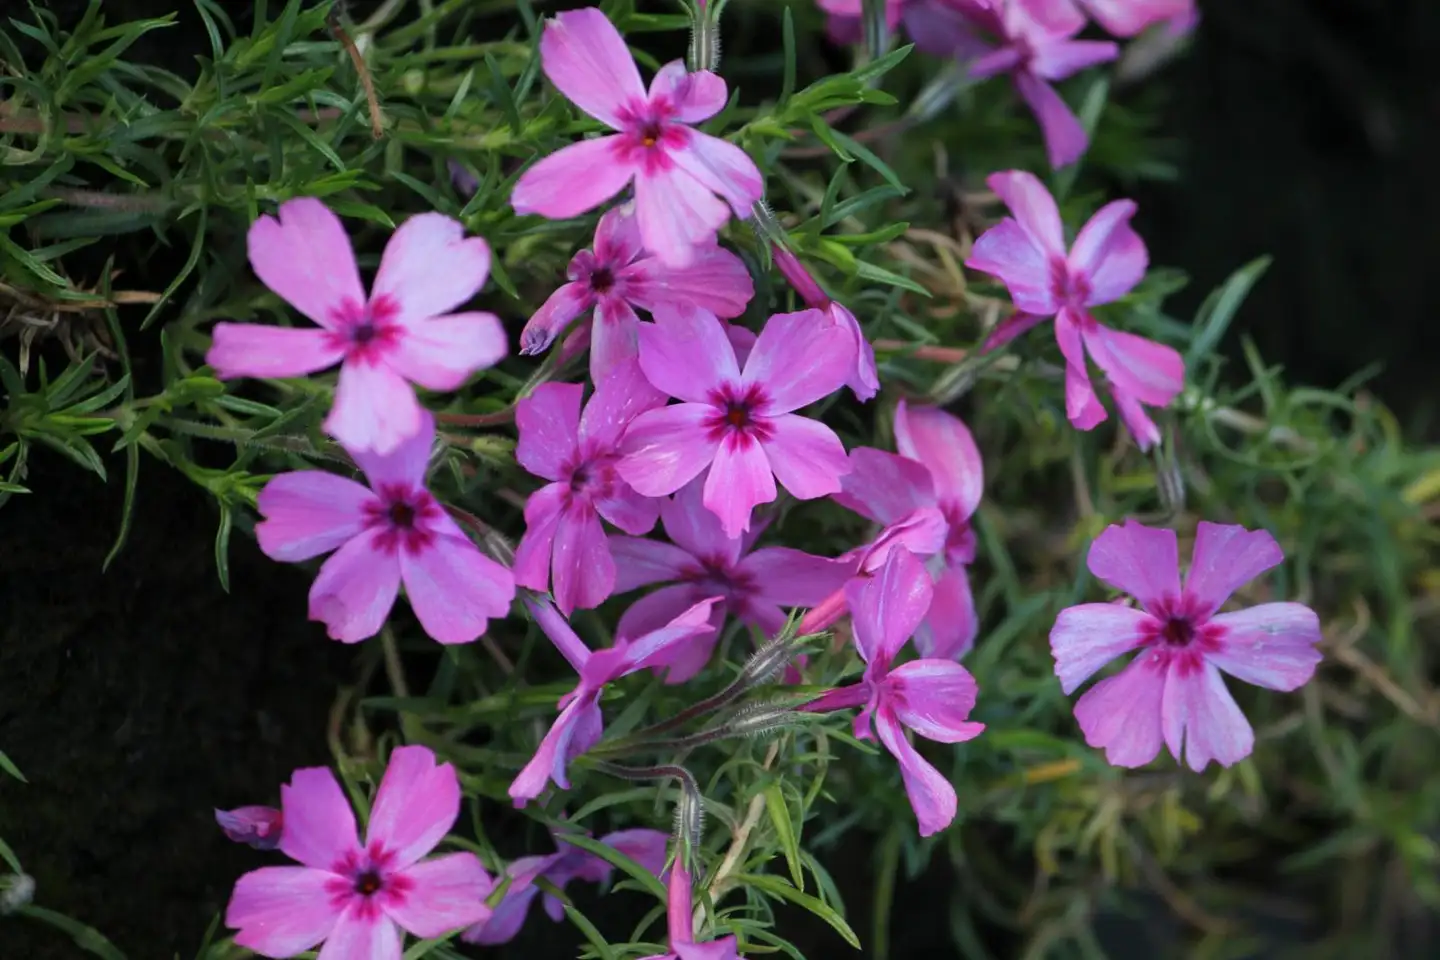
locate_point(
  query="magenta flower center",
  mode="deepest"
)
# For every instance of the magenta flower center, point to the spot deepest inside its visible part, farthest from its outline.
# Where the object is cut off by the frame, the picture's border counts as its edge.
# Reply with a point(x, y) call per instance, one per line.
point(405, 516)
point(366, 332)
point(1178, 632)
point(602, 280)
point(1069, 289)
point(369, 883)
point(738, 415)
point(716, 576)
point(593, 477)
point(649, 135)
point(1176, 629)
point(367, 875)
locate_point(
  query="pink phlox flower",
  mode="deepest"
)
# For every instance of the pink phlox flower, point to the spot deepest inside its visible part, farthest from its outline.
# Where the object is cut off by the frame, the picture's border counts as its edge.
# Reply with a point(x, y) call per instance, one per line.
point(939, 27)
point(402, 333)
point(564, 539)
point(1027, 253)
point(679, 911)
point(394, 531)
point(617, 276)
point(739, 423)
point(357, 898)
point(938, 466)
point(676, 169)
point(258, 827)
point(1172, 692)
point(863, 381)
point(756, 586)
point(932, 697)
point(645, 847)
point(579, 726)
point(1126, 18)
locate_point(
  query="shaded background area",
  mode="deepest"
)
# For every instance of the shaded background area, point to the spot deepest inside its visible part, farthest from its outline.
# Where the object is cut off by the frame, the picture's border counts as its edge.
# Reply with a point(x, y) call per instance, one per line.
point(136, 700)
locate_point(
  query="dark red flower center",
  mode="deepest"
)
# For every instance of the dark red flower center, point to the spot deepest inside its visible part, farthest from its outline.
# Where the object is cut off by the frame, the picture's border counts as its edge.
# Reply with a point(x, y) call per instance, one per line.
point(739, 416)
point(1178, 632)
point(405, 515)
point(651, 132)
point(369, 883)
point(602, 280)
point(363, 333)
point(1067, 287)
point(402, 515)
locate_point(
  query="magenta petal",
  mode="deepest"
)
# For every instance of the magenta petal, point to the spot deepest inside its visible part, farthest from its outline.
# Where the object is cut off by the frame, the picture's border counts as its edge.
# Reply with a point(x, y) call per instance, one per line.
point(375, 409)
point(429, 268)
point(405, 465)
point(640, 562)
point(505, 921)
point(416, 805)
point(282, 911)
point(695, 97)
point(645, 847)
point(362, 934)
point(355, 589)
point(1132, 413)
point(667, 448)
point(1199, 710)
point(884, 486)
point(617, 237)
point(934, 698)
point(1272, 645)
point(1065, 139)
point(319, 824)
point(723, 949)
point(1090, 635)
point(931, 795)
point(441, 353)
point(948, 632)
point(739, 479)
point(576, 730)
point(840, 698)
point(587, 60)
point(686, 354)
point(583, 573)
point(1009, 252)
point(791, 578)
point(721, 167)
point(799, 359)
point(887, 607)
point(446, 893)
point(943, 443)
point(1122, 713)
point(681, 661)
point(630, 511)
point(548, 421)
point(309, 512)
point(1010, 329)
point(1059, 59)
point(678, 214)
point(1082, 407)
point(1143, 561)
point(716, 280)
point(1225, 558)
point(572, 180)
point(614, 337)
point(255, 350)
point(693, 528)
point(543, 511)
point(1109, 254)
point(454, 589)
point(305, 257)
point(618, 399)
point(1034, 210)
point(554, 315)
point(647, 649)
point(1148, 371)
point(922, 532)
point(1126, 18)
point(807, 457)
point(864, 379)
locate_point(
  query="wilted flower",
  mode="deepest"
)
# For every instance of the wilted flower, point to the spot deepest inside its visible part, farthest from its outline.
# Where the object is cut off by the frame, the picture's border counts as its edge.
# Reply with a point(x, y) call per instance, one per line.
point(258, 827)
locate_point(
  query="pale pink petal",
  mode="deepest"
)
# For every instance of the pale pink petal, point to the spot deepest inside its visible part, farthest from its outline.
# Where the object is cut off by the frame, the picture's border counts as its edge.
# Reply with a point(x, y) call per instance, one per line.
point(618, 399)
point(864, 379)
point(1059, 59)
point(800, 358)
point(584, 574)
point(685, 353)
point(404, 466)
point(887, 606)
point(1272, 645)
point(944, 444)
point(305, 257)
point(1090, 635)
point(640, 562)
point(922, 532)
point(446, 893)
point(721, 167)
point(1148, 371)
point(1082, 407)
point(1225, 558)
point(667, 448)
point(949, 629)
point(807, 457)
point(739, 480)
point(441, 353)
point(543, 510)
point(934, 698)
point(715, 280)
point(678, 214)
point(587, 60)
point(429, 268)
point(1122, 713)
point(375, 409)
point(282, 911)
point(1126, 18)
point(309, 512)
point(682, 661)
point(577, 729)
point(1065, 139)
point(554, 315)
point(614, 337)
point(1136, 420)
point(319, 824)
point(1109, 254)
point(1200, 712)
point(573, 179)
point(693, 97)
point(1010, 329)
point(1142, 561)
point(1009, 252)
point(647, 649)
point(355, 589)
point(931, 795)
point(791, 578)
point(617, 237)
point(1033, 207)
point(884, 486)
point(416, 805)
point(255, 350)
point(548, 421)
point(362, 934)
point(454, 589)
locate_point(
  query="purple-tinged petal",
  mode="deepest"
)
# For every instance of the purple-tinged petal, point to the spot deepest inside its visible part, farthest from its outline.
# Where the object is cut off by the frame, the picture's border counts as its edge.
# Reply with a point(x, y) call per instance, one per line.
point(1126, 18)
point(573, 179)
point(723, 949)
point(1142, 561)
point(1122, 713)
point(678, 214)
point(282, 911)
point(614, 337)
point(375, 409)
point(558, 630)
point(584, 574)
point(505, 921)
point(554, 315)
point(576, 730)
point(1065, 139)
point(742, 340)
point(548, 421)
point(739, 479)
point(646, 650)
point(254, 826)
point(355, 589)
point(1148, 371)
point(943, 443)
point(667, 448)
point(1225, 558)
point(645, 847)
point(362, 934)
point(686, 354)
point(791, 578)
point(948, 632)
point(618, 399)
point(715, 280)
point(309, 512)
point(885, 608)
point(1034, 209)
point(807, 457)
point(942, 28)
point(454, 589)
point(1059, 59)
point(1007, 251)
point(921, 532)
point(446, 893)
point(934, 698)
point(931, 795)
point(319, 824)
point(694, 97)
point(416, 805)
point(1272, 645)
point(406, 464)
point(1082, 407)
point(799, 359)
point(630, 511)
point(429, 268)
point(306, 258)
point(543, 511)
point(1136, 420)
point(884, 486)
point(1109, 254)
point(617, 237)
point(587, 60)
point(1199, 710)
point(640, 562)
point(864, 379)
point(1090, 635)
point(723, 168)
point(1000, 60)
point(682, 661)
point(841, 698)
point(1011, 328)
point(256, 350)
point(693, 528)
point(442, 353)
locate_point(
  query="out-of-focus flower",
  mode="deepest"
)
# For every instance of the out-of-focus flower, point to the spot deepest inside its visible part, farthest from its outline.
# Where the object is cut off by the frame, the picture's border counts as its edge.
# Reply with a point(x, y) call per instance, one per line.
point(258, 827)
point(1127, 18)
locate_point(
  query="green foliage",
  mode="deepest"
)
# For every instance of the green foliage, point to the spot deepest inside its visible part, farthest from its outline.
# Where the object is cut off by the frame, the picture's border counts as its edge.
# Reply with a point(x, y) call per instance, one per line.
point(874, 175)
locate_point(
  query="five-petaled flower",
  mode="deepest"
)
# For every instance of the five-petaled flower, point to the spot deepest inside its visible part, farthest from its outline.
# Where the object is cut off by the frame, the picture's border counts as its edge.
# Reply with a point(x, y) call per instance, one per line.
point(357, 897)
point(402, 332)
point(393, 531)
point(677, 170)
point(738, 423)
point(1027, 252)
point(1172, 692)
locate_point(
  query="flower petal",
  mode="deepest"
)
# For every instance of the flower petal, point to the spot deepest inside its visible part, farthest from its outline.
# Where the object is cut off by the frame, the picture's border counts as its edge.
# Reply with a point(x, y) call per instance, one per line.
point(693, 97)
point(948, 632)
point(1225, 558)
point(304, 255)
point(319, 826)
point(1148, 371)
point(807, 457)
point(1132, 413)
point(282, 911)
point(943, 443)
point(454, 589)
point(587, 60)
point(667, 448)
point(618, 399)
point(1062, 58)
point(1090, 635)
point(441, 353)
point(617, 237)
point(681, 661)
point(650, 648)
point(1082, 407)
point(693, 528)
point(614, 337)
point(791, 578)
point(931, 795)
point(355, 589)
point(554, 315)
point(362, 934)
point(505, 921)
point(429, 268)
point(416, 805)
point(256, 350)
point(1272, 645)
point(404, 466)
point(739, 479)
point(686, 354)
point(577, 729)
point(548, 421)
point(1201, 712)
point(1007, 251)
point(1034, 210)
point(1065, 139)
point(715, 280)
point(446, 893)
point(934, 698)
point(1143, 561)
point(1122, 713)
point(640, 562)
point(886, 607)
point(800, 358)
point(375, 409)
point(864, 379)
point(583, 572)
point(1109, 253)
point(884, 486)
point(720, 167)
point(543, 510)
point(678, 214)
point(573, 179)
point(309, 512)
point(1011, 328)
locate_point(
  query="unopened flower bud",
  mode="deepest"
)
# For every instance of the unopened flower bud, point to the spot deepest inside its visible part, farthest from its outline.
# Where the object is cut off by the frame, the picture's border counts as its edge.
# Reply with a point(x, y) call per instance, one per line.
point(258, 827)
point(794, 271)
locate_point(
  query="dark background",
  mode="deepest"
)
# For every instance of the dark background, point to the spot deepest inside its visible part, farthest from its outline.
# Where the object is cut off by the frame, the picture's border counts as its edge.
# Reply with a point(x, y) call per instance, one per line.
point(138, 699)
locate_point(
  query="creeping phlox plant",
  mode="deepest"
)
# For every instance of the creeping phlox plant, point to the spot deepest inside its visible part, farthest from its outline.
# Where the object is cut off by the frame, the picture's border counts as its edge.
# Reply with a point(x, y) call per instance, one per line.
point(749, 601)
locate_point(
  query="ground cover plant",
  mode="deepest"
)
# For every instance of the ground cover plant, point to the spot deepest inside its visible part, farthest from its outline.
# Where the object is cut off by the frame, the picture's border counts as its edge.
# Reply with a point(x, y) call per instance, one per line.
point(672, 438)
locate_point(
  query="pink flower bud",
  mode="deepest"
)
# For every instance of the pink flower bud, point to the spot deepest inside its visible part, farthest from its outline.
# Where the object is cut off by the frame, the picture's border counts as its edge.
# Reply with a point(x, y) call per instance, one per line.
point(258, 827)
